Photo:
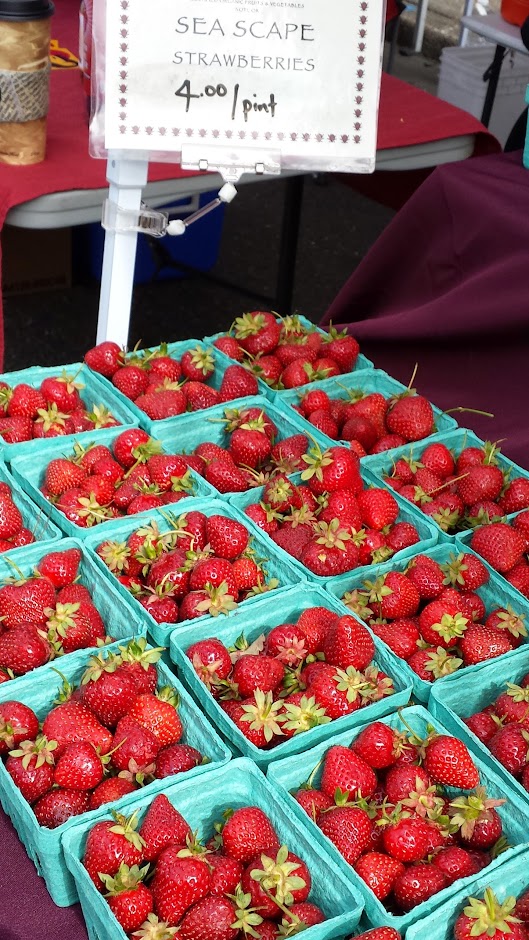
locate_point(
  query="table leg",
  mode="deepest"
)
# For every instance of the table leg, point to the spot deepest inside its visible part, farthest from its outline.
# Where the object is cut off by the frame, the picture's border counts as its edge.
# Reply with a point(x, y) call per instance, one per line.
point(493, 73)
point(420, 25)
point(288, 246)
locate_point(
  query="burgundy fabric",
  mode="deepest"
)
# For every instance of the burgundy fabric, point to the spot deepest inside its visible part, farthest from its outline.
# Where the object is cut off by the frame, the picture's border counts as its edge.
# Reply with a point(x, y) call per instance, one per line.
point(446, 285)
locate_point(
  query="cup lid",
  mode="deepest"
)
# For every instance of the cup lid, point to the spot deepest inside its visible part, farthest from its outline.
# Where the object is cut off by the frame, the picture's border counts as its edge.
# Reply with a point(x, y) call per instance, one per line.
point(20, 10)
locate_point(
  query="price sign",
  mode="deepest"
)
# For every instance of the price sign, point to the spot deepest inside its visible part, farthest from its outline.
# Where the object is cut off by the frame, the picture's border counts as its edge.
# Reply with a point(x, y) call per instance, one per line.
point(294, 83)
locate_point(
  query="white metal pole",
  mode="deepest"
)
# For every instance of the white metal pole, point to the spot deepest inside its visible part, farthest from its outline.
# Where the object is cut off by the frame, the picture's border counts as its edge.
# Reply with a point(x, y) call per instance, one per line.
point(126, 181)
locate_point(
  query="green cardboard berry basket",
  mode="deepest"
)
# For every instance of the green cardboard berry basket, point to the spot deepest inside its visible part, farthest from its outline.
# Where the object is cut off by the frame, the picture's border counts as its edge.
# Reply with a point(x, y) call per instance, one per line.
point(234, 785)
point(289, 774)
point(509, 880)
point(96, 391)
point(368, 381)
point(252, 623)
point(362, 363)
point(453, 700)
point(120, 529)
point(33, 518)
point(427, 532)
point(186, 432)
point(381, 465)
point(44, 846)
point(495, 593)
point(29, 471)
point(122, 618)
point(176, 351)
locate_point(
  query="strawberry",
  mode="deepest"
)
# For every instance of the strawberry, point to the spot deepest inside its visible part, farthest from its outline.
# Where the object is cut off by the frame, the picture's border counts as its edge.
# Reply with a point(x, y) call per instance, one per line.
point(162, 825)
point(178, 883)
point(313, 801)
point(394, 596)
point(62, 474)
point(109, 844)
point(378, 508)
point(314, 400)
point(406, 838)
point(79, 767)
point(345, 771)
point(379, 872)
point(214, 572)
point(60, 567)
point(378, 933)
point(237, 382)
point(30, 766)
point(411, 416)
point(133, 445)
point(482, 724)
point(163, 403)
point(481, 643)
point(10, 517)
point(197, 364)
point(268, 369)
point(448, 762)
point(416, 884)
point(376, 745)
point(72, 721)
point(229, 346)
point(257, 672)
point(247, 833)
point(127, 896)
point(211, 918)
point(343, 348)
point(23, 649)
point(108, 692)
point(439, 459)
point(482, 482)
point(325, 423)
point(159, 714)
point(17, 723)
point(14, 430)
point(500, 545)
point(455, 863)
point(509, 746)
point(134, 747)
point(349, 829)
point(314, 623)
point(276, 879)
point(226, 477)
point(211, 660)
point(257, 332)
point(105, 358)
point(176, 759)
point(131, 381)
point(58, 805)
point(489, 917)
point(200, 396)
point(162, 365)
point(25, 401)
point(227, 537)
point(110, 790)
point(401, 636)
point(348, 643)
point(334, 469)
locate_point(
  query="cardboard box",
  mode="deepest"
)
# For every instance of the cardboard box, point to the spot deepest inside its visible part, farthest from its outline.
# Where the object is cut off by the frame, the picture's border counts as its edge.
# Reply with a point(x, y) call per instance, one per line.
point(36, 259)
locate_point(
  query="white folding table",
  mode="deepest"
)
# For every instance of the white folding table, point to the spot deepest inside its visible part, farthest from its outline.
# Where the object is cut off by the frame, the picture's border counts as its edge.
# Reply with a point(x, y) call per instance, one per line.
point(505, 36)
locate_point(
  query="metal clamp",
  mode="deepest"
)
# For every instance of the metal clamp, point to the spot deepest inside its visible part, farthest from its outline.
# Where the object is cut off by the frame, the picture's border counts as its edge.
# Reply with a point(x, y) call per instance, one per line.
point(155, 222)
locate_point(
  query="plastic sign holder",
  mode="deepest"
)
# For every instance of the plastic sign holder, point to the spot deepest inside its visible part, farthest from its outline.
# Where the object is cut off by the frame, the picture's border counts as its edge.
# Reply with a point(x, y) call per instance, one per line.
point(231, 86)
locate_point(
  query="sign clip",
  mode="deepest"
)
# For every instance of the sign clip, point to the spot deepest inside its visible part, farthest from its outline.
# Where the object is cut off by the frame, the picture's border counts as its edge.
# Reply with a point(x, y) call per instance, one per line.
point(155, 222)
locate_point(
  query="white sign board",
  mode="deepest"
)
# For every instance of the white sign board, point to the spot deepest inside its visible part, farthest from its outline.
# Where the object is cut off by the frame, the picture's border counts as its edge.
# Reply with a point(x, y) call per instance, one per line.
point(285, 83)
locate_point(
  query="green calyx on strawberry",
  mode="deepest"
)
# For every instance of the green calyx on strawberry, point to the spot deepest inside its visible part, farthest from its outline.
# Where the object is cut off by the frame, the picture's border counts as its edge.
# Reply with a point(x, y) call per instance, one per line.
point(277, 879)
point(424, 800)
point(466, 811)
point(357, 602)
point(308, 714)
point(440, 663)
point(331, 535)
point(316, 461)
point(51, 417)
point(124, 880)
point(246, 917)
point(218, 600)
point(97, 665)
point(377, 685)
point(489, 916)
point(41, 749)
point(155, 929)
point(136, 652)
point(451, 626)
point(352, 682)
point(264, 715)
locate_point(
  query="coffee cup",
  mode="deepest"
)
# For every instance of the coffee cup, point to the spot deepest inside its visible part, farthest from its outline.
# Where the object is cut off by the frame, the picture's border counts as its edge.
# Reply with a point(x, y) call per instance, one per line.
point(24, 79)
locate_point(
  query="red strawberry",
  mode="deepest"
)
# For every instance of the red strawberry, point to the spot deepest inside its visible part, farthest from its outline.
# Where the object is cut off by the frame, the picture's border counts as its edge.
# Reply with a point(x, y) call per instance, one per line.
point(18, 722)
point(132, 445)
point(349, 829)
point(257, 672)
point(197, 364)
point(226, 874)
point(257, 332)
point(378, 933)
point(60, 567)
point(229, 346)
point(159, 714)
point(376, 745)
point(131, 381)
point(134, 747)
point(15, 429)
point(401, 636)
point(510, 747)
point(30, 766)
point(411, 417)
point(127, 896)
point(227, 537)
point(110, 790)
point(334, 469)
point(79, 767)
point(108, 692)
point(211, 660)
point(491, 918)
point(178, 883)
point(176, 759)
point(439, 459)
point(163, 403)
point(25, 401)
point(348, 643)
point(343, 348)
point(105, 358)
point(448, 762)
point(237, 382)
point(418, 883)
point(378, 508)
point(62, 474)
point(211, 918)
point(481, 643)
point(23, 649)
point(109, 843)
point(287, 875)
point(10, 517)
point(314, 802)
point(72, 721)
point(247, 833)
point(379, 872)
point(314, 623)
point(162, 825)
point(344, 770)
point(499, 544)
point(200, 396)
point(58, 805)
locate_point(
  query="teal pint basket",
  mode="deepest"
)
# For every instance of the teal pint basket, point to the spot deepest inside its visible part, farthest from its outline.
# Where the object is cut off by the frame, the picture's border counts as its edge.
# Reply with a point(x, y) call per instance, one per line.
point(271, 612)
point(235, 785)
point(33, 518)
point(122, 618)
point(511, 879)
point(29, 472)
point(496, 593)
point(381, 465)
point(453, 700)
point(427, 533)
point(184, 433)
point(369, 381)
point(44, 846)
point(362, 363)
point(120, 530)
point(96, 391)
point(289, 774)
point(176, 351)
